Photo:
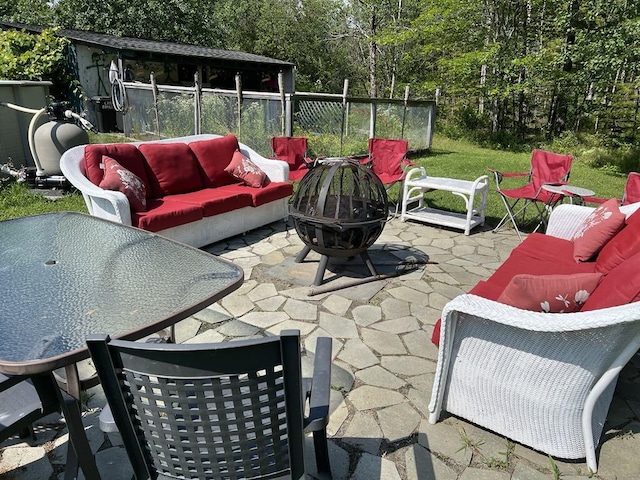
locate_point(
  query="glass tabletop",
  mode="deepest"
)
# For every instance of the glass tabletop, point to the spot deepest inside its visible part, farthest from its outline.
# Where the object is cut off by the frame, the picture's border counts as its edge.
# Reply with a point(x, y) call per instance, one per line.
point(67, 275)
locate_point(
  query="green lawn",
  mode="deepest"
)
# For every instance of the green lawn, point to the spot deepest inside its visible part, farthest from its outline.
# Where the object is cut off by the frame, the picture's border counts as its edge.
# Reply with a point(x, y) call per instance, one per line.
point(448, 158)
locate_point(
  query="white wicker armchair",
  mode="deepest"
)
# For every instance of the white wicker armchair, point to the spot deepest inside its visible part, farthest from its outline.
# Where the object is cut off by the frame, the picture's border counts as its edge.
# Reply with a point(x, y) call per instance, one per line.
point(544, 380)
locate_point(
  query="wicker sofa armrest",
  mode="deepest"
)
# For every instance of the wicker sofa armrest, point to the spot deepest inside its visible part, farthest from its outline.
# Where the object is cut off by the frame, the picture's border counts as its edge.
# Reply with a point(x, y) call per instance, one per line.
point(100, 203)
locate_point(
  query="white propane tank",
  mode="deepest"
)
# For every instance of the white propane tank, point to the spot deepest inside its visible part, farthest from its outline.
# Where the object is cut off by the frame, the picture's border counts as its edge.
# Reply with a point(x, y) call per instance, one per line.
point(52, 139)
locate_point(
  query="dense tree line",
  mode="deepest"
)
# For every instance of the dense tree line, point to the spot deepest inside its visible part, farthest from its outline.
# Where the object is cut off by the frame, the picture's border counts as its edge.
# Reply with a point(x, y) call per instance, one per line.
point(515, 69)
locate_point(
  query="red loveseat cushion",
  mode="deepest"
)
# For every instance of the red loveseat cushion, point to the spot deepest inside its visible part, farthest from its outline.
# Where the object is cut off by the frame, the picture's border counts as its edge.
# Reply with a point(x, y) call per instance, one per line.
point(165, 213)
point(260, 196)
point(546, 248)
point(173, 168)
point(550, 293)
point(125, 154)
point(597, 229)
point(215, 201)
point(213, 156)
point(622, 246)
point(618, 287)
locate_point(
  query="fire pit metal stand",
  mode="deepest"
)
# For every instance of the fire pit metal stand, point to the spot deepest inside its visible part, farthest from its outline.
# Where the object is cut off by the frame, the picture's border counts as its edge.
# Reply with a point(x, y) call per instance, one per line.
point(339, 210)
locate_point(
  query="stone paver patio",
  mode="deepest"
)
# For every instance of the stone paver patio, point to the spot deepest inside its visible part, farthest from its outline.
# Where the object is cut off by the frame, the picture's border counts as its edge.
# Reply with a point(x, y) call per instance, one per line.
point(383, 362)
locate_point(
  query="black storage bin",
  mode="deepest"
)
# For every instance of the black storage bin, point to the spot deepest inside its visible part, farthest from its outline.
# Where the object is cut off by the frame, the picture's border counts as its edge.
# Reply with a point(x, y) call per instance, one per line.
point(104, 113)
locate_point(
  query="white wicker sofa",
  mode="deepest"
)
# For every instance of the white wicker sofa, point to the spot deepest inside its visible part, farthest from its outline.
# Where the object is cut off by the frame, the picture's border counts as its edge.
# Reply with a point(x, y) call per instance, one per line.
point(542, 379)
point(196, 226)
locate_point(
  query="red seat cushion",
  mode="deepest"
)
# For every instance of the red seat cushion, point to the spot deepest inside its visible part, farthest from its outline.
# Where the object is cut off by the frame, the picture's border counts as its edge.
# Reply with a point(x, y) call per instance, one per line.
point(125, 154)
point(163, 213)
point(215, 201)
point(213, 156)
point(618, 287)
point(172, 168)
point(119, 179)
point(541, 247)
point(260, 196)
point(623, 245)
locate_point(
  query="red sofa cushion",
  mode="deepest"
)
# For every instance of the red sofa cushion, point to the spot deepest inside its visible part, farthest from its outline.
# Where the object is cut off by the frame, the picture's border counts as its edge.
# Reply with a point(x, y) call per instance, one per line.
point(246, 171)
point(125, 154)
point(597, 229)
point(624, 245)
point(213, 156)
point(173, 168)
point(119, 179)
point(260, 196)
point(165, 213)
point(550, 293)
point(618, 287)
point(215, 201)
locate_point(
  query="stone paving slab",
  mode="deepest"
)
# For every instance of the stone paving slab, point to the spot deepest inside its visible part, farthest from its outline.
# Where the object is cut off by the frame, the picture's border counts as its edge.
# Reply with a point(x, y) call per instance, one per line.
point(383, 362)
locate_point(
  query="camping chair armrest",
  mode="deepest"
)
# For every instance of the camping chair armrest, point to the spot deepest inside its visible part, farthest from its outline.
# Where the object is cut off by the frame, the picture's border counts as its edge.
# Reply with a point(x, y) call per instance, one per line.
point(500, 175)
point(321, 387)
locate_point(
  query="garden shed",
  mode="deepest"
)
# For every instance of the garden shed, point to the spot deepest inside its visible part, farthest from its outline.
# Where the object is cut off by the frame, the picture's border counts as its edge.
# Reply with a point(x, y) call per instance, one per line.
point(91, 54)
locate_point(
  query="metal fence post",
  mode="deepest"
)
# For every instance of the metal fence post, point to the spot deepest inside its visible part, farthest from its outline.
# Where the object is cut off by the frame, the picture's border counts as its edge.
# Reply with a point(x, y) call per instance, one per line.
point(197, 104)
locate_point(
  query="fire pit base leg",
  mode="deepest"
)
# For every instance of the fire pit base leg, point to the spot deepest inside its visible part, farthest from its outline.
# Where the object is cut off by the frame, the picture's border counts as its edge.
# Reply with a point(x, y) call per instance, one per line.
point(322, 266)
point(367, 261)
point(303, 254)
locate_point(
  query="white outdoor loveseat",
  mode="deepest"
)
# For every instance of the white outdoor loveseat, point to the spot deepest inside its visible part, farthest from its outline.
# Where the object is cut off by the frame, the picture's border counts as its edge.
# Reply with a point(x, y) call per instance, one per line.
point(545, 380)
point(200, 207)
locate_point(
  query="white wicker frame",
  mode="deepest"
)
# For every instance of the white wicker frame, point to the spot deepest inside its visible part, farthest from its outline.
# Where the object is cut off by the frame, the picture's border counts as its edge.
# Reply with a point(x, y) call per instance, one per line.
point(115, 206)
point(544, 380)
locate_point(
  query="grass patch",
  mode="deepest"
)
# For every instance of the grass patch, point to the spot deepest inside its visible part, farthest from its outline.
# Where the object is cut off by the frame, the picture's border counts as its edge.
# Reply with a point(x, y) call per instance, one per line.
point(16, 200)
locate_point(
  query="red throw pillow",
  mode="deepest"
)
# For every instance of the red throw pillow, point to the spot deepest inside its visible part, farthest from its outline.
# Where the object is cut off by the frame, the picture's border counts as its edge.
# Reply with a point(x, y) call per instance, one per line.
point(173, 168)
point(596, 230)
point(244, 169)
point(550, 293)
point(619, 287)
point(623, 245)
point(119, 179)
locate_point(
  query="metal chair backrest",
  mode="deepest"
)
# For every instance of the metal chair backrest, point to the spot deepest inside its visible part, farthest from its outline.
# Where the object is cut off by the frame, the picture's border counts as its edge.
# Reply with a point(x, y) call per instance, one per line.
point(387, 155)
point(549, 167)
point(227, 410)
point(290, 149)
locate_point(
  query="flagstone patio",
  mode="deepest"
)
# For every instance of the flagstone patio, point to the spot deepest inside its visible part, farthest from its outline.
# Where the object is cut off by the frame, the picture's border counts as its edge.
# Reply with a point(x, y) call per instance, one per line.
point(383, 362)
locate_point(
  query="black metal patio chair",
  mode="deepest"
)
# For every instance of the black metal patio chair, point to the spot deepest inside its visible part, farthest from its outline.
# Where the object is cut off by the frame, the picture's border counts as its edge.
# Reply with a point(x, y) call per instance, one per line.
point(223, 410)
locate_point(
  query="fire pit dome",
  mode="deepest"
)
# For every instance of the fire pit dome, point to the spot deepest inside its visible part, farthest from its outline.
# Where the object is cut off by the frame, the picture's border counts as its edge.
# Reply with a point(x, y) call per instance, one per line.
point(339, 210)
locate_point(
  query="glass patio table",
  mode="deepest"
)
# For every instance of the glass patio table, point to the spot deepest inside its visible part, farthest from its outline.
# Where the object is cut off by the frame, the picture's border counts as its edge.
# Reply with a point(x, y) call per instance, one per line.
point(66, 275)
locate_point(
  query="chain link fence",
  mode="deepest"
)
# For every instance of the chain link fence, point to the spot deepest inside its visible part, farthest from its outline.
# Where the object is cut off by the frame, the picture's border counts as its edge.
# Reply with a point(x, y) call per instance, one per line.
point(335, 125)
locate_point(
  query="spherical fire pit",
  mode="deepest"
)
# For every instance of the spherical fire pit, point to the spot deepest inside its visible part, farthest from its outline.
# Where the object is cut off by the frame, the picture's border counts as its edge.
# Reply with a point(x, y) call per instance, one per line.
point(339, 210)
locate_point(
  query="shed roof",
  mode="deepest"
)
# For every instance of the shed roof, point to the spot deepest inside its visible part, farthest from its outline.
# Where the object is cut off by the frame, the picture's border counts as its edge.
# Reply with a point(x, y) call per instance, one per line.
point(142, 45)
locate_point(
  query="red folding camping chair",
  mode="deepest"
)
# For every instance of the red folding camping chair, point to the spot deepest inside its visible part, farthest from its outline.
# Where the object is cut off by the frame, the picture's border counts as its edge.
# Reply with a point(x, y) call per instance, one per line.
point(631, 192)
point(292, 150)
point(388, 160)
point(546, 167)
